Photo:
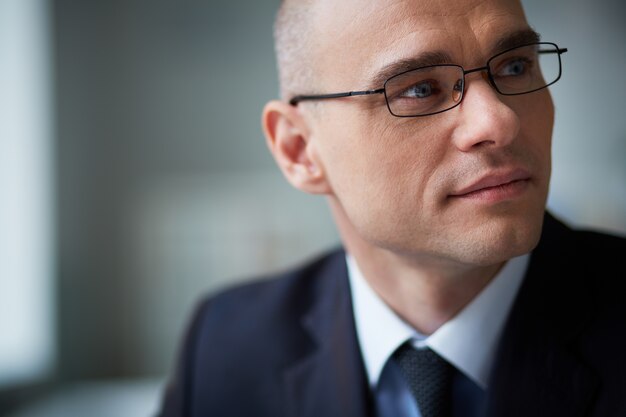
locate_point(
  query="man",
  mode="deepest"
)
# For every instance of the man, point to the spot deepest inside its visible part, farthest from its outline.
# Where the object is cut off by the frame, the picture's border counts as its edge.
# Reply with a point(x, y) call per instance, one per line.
point(427, 125)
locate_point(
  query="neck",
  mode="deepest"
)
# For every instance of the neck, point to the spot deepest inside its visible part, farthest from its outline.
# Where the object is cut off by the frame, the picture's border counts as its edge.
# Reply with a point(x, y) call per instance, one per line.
point(425, 296)
point(424, 291)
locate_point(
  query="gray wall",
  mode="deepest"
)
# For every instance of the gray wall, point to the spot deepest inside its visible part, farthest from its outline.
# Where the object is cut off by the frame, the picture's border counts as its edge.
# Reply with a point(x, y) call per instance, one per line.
point(589, 163)
point(166, 189)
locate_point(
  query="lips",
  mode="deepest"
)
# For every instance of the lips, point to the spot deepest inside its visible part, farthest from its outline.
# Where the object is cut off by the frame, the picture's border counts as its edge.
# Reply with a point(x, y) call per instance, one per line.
point(501, 181)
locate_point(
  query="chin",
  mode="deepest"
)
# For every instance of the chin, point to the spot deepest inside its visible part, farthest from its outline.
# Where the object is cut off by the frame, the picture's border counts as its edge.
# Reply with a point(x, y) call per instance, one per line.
point(501, 239)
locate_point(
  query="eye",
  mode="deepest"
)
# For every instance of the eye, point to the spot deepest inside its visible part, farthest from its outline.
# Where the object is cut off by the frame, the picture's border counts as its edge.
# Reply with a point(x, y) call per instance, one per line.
point(515, 67)
point(423, 89)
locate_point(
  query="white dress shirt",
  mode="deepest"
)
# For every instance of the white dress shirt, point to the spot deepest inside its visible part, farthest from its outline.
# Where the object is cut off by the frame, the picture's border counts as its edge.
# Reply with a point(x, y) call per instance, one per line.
point(467, 341)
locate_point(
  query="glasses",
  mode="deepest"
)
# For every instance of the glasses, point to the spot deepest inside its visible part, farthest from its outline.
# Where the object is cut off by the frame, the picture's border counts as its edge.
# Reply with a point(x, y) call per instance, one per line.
point(434, 89)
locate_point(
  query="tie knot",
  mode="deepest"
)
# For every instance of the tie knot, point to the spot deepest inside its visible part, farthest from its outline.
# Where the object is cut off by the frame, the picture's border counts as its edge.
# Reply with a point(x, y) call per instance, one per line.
point(429, 378)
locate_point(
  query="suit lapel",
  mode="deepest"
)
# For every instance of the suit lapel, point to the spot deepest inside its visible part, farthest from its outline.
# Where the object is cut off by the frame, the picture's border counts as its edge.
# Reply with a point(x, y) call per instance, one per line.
point(537, 371)
point(329, 380)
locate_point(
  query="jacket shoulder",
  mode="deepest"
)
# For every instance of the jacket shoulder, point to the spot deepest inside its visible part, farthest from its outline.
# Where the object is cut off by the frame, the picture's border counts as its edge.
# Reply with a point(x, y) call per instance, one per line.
point(564, 335)
point(270, 298)
point(592, 251)
point(242, 338)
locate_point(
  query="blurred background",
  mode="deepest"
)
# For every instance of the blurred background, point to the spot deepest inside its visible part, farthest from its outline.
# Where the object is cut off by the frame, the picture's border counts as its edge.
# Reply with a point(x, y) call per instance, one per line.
point(134, 178)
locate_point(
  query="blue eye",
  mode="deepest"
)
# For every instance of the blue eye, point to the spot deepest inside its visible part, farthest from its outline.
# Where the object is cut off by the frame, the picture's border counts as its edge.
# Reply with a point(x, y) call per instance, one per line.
point(423, 89)
point(514, 68)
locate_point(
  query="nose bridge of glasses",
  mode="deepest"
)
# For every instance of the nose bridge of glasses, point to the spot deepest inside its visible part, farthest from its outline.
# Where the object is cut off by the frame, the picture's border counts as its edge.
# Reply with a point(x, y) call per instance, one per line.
point(484, 72)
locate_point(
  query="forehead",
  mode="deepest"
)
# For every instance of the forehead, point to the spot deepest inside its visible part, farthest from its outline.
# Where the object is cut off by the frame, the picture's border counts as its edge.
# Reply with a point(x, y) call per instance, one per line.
point(355, 37)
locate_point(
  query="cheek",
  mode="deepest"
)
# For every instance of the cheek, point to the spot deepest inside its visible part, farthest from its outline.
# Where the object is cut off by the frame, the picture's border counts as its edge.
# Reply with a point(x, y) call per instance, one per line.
point(537, 116)
point(382, 167)
point(417, 157)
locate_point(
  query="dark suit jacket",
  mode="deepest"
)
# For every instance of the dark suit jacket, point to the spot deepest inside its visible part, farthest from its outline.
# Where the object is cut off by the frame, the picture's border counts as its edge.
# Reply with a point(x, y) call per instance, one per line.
point(287, 346)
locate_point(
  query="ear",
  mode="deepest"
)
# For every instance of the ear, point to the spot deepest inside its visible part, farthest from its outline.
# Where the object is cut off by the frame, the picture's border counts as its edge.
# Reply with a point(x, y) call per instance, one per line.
point(288, 137)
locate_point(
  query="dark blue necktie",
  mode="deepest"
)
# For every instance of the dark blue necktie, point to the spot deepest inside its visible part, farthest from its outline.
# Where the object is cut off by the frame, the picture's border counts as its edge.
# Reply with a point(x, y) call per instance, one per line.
point(429, 378)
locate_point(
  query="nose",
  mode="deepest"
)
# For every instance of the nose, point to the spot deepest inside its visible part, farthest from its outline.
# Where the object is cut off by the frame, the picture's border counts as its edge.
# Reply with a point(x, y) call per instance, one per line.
point(484, 119)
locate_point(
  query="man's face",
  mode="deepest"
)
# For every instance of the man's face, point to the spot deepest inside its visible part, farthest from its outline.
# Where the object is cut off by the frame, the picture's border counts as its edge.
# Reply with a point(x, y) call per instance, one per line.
point(468, 185)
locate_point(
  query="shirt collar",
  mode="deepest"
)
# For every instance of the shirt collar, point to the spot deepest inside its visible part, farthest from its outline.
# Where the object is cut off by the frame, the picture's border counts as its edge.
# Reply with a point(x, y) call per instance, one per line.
point(468, 340)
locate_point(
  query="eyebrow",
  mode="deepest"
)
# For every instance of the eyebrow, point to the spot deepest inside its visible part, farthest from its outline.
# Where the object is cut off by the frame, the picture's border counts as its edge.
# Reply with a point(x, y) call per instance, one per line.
point(511, 40)
point(422, 60)
point(514, 39)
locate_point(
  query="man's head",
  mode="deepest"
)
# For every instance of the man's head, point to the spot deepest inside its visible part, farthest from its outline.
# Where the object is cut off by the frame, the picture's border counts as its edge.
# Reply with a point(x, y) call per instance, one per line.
point(408, 185)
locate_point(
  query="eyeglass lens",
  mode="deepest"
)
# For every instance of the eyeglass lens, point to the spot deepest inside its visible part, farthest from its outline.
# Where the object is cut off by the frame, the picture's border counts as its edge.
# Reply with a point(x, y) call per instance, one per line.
point(438, 88)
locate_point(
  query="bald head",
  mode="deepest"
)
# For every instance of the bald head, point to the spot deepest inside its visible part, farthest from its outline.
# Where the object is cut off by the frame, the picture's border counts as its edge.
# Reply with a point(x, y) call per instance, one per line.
point(293, 41)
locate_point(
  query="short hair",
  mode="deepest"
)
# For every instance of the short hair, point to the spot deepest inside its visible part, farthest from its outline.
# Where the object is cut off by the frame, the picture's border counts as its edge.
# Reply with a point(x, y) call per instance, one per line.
point(293, 43)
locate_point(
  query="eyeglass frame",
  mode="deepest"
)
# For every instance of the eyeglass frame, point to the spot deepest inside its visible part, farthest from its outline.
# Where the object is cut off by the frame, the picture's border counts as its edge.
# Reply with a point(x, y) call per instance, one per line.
point(559, 51)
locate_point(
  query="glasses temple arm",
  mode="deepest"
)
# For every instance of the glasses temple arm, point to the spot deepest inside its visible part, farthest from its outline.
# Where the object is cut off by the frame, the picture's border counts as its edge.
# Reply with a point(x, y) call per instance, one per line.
point(295, 100)
point(559, 51)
